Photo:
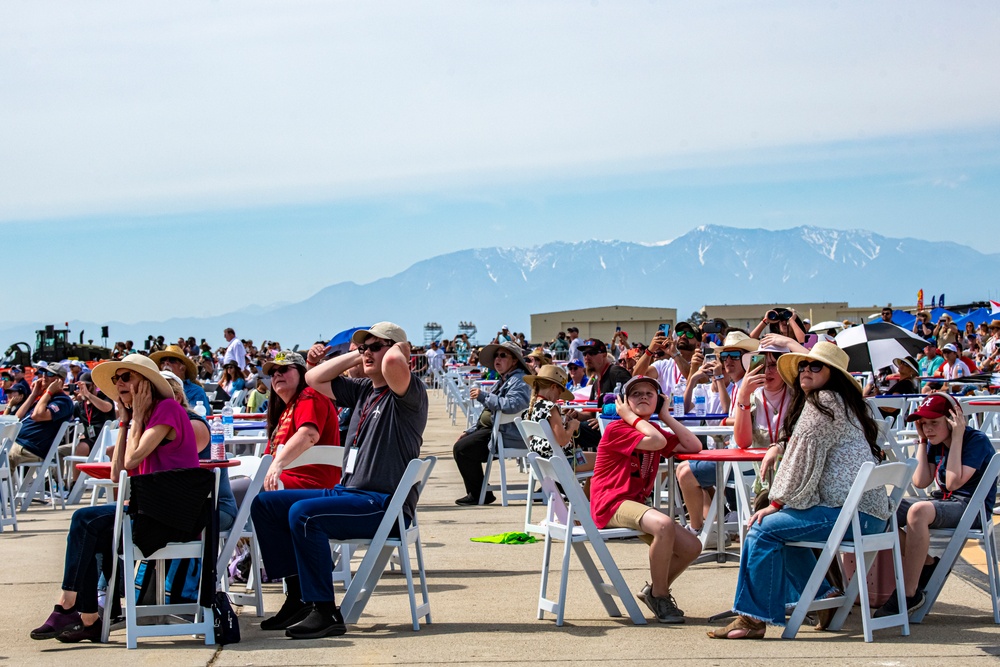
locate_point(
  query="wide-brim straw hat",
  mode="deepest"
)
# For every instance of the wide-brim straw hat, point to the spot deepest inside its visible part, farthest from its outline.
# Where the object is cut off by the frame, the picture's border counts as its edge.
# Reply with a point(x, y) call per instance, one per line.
point(176, 352)
point(137, 363)
point(553, 374)
point(826, 353)
point(737, 340)
point(486, 356)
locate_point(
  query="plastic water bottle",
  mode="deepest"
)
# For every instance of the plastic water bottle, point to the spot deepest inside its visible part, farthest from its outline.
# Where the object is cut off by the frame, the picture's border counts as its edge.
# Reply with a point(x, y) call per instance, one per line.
point(227, 420)
point(677, 400)
point(218, 441)
point(701, 400)
point(199, 409)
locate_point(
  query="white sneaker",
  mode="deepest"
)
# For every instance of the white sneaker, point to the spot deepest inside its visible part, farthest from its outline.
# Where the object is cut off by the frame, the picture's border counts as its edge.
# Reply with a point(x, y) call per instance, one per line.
point(711, 541)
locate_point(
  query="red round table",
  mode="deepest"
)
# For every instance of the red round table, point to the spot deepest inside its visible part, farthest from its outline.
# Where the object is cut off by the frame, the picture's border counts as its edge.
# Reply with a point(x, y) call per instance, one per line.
point(103, 470)
point(722, 456)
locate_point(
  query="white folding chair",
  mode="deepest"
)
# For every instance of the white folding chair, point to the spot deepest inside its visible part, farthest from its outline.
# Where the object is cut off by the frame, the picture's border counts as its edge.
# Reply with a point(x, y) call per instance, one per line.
point(382, 545)
point(8, 512)
point(542, 429)
point(329, 456)
point(34, 475)
point(105, 439)
point(501, 454)
point(573, 524)
point(870, 476)
point(984, 534)
point(204, 619)
point(252, 595)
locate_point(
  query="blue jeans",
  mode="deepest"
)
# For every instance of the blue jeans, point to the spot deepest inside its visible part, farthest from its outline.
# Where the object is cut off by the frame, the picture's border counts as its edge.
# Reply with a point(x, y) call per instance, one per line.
point(294, 528)
point(773, 575)
point(90, 534)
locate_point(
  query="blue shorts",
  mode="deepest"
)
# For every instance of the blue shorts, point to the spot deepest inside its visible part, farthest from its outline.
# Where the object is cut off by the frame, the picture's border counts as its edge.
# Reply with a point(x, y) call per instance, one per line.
point(704, 472)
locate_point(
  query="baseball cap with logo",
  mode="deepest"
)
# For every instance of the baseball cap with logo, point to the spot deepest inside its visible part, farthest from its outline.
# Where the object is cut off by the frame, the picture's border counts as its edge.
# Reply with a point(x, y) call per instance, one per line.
point(593, 345)
point(386, 330)
point(284, 358)
point(935, 406)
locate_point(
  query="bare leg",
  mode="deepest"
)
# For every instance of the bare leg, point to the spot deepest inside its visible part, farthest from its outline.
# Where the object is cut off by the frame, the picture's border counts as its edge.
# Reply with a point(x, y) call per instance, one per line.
point(694, 497)
point(918, 539)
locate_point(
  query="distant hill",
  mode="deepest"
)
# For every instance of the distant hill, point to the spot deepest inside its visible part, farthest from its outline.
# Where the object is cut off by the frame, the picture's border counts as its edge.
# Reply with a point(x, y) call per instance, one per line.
point(708, 265)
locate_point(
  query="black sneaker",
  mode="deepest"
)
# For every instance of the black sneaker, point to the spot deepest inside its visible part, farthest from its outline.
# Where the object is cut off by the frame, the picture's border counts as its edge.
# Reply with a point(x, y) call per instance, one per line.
point(891, 606)
point(81, 633)
point(318, 624)
point(57, 622)
point(665, 608)
point(291, 612)
point(470, 499)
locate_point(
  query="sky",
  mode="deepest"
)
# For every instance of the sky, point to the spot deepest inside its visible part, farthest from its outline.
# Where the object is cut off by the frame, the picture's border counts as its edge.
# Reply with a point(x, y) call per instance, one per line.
point(193, 158)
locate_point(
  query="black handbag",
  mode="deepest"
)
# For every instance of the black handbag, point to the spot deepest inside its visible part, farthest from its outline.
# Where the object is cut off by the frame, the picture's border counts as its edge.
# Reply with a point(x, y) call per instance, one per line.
point(227, 623)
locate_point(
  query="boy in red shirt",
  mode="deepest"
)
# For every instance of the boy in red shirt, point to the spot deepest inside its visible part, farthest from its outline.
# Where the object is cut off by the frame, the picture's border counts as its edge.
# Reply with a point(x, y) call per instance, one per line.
point(624, 473)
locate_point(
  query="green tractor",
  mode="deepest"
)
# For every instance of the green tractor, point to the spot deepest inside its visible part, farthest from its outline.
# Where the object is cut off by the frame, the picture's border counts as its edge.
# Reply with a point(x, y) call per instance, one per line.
point(53, 344)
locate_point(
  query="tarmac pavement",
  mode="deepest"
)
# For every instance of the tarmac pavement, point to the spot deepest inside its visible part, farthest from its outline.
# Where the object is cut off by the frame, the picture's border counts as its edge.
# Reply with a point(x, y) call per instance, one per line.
point(483, 602)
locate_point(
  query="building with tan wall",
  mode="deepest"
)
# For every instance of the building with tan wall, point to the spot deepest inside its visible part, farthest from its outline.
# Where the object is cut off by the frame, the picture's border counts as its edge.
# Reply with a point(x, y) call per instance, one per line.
point(640, 322)
point(746, 316)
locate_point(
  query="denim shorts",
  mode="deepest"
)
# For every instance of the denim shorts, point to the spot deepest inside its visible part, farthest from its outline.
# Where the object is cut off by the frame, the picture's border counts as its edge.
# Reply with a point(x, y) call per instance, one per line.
point(947, 512)
point(704, 472)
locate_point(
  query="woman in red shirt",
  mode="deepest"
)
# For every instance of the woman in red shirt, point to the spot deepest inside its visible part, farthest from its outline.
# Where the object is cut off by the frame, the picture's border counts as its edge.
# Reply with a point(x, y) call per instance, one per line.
point(298, 417)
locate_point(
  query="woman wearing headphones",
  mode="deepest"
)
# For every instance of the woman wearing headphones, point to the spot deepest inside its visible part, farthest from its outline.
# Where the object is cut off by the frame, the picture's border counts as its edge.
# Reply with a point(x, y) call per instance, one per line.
point(956, 456)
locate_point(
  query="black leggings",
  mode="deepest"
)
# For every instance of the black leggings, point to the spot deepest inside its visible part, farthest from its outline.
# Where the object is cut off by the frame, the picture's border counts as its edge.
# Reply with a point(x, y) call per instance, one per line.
point(471, 452)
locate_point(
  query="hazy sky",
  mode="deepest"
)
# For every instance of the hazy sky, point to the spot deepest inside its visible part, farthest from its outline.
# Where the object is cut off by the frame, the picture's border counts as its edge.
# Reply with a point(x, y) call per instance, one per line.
point(152, 156)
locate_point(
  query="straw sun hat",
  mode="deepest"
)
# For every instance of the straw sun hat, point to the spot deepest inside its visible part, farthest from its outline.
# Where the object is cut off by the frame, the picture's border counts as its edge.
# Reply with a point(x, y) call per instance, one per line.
point(175, 352)
point(739, 341)
point(136, 363)
point(553, 374)
point(486, 356)
point(827, 353)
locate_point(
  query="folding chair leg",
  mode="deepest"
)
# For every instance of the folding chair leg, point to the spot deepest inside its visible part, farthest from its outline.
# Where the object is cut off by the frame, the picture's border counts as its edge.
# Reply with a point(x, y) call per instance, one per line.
point(618, 583)
point(564, 576)
point(424, 593)
point(596, 580)
point(809, 592)
point(546, 558)
point(363, 583)
point(486, 479)
point(501, 461)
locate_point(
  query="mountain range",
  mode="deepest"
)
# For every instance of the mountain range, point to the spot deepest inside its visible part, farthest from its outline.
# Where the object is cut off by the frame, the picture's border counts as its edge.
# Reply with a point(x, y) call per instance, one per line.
point(497, 286)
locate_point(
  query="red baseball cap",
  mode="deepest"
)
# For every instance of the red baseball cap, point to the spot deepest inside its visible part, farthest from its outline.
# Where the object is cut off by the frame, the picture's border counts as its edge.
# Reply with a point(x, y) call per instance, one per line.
point(934, 406)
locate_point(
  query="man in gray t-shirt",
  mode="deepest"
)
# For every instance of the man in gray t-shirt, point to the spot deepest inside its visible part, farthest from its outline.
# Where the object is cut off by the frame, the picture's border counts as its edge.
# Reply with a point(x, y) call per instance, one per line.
point(388, 416)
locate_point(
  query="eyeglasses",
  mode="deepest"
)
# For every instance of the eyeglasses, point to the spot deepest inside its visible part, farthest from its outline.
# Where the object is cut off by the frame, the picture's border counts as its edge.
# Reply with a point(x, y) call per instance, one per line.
point(280, 370)
point(730, 355)
point(373, 347)
point(813, 366)
point(121, 377)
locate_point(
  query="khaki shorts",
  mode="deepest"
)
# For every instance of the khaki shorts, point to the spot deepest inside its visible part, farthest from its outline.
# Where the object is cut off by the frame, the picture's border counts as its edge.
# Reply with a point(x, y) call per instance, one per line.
point(19, 455)
point(628, 515)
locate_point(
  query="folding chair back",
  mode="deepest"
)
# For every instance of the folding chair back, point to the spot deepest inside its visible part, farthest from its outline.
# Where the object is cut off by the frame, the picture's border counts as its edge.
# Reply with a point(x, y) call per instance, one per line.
point(500, 454)
point(569, 520)
point(8, 512)
point(105, 439)
point(984, 533)
point(204, 620)
point(870, 476)
point(256, 469)
point(34, 475)
point(381, 547)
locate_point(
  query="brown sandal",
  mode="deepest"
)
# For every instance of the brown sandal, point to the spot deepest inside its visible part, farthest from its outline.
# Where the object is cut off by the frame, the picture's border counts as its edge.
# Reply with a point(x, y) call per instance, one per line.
point(750, 628)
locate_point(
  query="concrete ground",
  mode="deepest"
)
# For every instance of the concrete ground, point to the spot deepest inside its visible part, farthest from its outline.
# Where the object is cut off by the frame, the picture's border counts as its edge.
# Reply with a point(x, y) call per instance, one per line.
point(483, 600)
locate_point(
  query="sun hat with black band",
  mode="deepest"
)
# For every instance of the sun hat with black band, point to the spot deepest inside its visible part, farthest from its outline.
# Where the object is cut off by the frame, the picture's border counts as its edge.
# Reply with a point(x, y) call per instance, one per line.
point(826, 353)
point(908, 362)
point(385, 330)
point(285, 358)
point(175, 352)
point(136, 363)
point(553, 374)
point(488, 352)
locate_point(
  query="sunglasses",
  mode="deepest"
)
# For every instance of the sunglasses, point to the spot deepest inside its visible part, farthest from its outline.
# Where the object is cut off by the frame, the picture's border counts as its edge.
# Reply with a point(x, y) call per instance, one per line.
point(45, 374)
point(591, 353)
point(686, 334)
point(502, 355)
point(730, 355)
point(813, 366)
point(280, 370)
point(373, 347)
point(121, 377)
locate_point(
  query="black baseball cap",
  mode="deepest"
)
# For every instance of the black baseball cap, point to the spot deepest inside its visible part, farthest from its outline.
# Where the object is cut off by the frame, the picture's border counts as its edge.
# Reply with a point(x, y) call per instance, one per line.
point(593, 345)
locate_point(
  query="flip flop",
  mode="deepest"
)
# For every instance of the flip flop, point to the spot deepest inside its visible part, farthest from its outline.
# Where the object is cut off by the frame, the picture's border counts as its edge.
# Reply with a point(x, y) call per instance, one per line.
point(741, 624)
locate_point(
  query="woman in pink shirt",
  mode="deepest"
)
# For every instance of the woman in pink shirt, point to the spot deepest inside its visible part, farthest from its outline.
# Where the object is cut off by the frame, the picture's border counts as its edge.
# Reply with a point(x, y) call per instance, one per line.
point(154, 434)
